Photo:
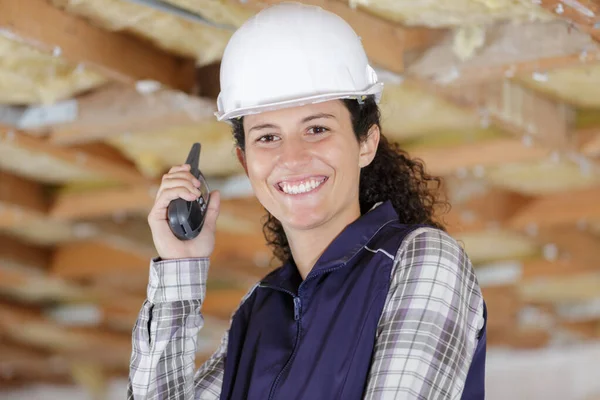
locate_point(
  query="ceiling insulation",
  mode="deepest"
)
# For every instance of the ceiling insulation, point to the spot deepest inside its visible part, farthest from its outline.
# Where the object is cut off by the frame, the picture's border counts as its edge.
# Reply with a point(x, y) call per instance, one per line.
point(29, 76)
point(504, 45)
point(449, 13)
point(46, 232)
point(202, 42)
point(578, 86)
point(41, 166)
point(544, 177)
point(154, 153)
point(408, 112)
point(216, 11)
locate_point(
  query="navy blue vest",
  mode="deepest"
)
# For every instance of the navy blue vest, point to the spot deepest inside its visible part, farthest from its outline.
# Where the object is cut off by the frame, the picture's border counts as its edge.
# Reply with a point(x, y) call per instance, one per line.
point(314, 339)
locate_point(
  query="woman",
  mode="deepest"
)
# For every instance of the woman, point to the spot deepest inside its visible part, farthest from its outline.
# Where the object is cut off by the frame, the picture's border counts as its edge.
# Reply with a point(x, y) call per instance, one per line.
point(373, 299)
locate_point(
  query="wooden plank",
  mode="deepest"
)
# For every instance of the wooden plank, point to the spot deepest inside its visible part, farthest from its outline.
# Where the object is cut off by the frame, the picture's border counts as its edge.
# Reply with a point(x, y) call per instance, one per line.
point(584, 329)
point(506, 54)
point(559, 208)
point(32, 329)
point(22, 362)
point(572, 288)
point(116, 110)
point(136, 199)
point(584, 13)
point(503, 303)
point(446, 160)
point(88, 258)
point(118, 169)
point(119, 56)
point(21, 193)
point(23, 255)
point(482, 210)
point(518, 337)
point(578, 246)
point(537, 269)
point(519, 110)
point(590, 142)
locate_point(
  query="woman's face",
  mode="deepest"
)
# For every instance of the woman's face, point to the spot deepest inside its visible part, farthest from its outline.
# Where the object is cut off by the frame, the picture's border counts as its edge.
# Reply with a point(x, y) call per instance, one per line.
point(304, 163)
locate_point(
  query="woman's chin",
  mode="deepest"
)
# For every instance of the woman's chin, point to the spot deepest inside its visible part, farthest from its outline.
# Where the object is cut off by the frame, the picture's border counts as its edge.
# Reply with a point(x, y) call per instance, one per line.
point(300, 219)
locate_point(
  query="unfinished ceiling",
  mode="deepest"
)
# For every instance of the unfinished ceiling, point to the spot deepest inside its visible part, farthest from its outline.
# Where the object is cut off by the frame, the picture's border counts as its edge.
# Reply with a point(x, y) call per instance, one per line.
point(101, 97)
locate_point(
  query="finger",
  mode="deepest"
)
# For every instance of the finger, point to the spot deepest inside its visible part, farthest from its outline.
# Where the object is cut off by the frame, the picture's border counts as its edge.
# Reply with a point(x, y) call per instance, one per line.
point(182, 175)
point(175, 183)
point(182, 167)
point(158, 211)
point(214, 205)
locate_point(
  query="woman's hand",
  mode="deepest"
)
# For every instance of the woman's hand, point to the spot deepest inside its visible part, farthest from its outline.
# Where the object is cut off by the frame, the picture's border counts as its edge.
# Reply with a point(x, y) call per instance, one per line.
point(180, 183)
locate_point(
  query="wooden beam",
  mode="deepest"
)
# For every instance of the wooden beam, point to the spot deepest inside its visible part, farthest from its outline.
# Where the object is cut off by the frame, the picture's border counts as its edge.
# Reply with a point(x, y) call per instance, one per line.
point(579, 246)
point(518, 337)
point(572, 288)
point(447, 160)
point(560, 208)
point(100, 166)
point(116, 110)
point(119, 56)
point(489, 208)
point(85, 259)
point(590, 142)
point(22, 255)
point(237, 215)
point(22, 362)
point(20, 199)
point(584, 329)
point(136, 199)
point(520, 110)
point(503, 303)
point(31, 328)
point(506, 54)
point(538, 269)
point(583, 13)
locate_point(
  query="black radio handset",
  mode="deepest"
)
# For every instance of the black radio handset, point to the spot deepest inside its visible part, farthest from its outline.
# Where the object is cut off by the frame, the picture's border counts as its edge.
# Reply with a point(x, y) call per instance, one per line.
point(186, 218)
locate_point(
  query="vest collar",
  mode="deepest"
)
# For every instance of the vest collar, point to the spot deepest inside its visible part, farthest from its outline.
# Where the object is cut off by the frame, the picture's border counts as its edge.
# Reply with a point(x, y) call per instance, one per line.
point(343, 248)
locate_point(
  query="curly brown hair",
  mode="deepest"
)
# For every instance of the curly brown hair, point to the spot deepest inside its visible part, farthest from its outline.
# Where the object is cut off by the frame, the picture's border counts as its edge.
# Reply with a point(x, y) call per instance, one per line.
point(392, 175)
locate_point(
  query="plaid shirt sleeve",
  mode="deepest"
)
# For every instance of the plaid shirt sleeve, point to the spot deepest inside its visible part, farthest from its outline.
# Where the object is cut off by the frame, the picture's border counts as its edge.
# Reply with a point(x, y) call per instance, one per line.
point(164, 336)
point(428, 331)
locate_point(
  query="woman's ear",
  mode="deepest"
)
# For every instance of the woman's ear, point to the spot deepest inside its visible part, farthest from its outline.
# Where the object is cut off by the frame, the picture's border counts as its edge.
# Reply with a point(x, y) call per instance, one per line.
point(368, 147)
point(241, 158)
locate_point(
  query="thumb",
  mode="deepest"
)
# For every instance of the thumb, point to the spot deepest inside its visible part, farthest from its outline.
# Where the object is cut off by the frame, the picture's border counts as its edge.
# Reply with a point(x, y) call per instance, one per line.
point(214, 206)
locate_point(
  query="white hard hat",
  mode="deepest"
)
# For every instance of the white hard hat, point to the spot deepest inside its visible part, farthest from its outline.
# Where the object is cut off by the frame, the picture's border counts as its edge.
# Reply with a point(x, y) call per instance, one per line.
point(292, 54)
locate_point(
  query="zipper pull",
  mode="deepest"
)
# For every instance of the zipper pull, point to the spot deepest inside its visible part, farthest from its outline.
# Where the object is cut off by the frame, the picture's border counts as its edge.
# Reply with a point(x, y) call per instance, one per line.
point(297, 308)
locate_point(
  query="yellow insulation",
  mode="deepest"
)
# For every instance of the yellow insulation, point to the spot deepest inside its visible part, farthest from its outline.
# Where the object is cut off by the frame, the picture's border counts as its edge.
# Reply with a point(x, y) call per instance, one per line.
point(174, 34)
point(579, 86)
point(155, 152)
point(29, 76)
point(450, 13)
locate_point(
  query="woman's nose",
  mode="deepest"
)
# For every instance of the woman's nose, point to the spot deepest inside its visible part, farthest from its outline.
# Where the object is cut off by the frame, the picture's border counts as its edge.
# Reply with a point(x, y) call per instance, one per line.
point(294, 154)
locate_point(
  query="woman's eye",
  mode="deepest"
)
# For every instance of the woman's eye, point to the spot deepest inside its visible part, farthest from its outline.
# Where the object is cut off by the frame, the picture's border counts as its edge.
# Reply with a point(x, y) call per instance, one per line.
point(267, 138)
point(316, 130)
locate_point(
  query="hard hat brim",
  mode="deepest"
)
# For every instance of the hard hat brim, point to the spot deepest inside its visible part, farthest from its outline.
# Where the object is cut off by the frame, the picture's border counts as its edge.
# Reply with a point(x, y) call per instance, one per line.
point(374, 90)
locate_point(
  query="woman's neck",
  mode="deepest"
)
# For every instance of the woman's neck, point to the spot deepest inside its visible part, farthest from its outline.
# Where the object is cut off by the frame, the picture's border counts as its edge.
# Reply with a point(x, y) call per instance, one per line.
point(308, 245)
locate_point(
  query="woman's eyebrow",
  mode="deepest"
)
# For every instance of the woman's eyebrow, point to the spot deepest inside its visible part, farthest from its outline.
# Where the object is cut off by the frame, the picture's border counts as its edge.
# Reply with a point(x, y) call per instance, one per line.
point(262, 126)
point(317, 116)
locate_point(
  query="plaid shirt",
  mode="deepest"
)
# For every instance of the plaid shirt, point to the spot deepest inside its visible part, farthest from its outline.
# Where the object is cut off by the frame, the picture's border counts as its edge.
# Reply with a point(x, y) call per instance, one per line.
point(434, 305)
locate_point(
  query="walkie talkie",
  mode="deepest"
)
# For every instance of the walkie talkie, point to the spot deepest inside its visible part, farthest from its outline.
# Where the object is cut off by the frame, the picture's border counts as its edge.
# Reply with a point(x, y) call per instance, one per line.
point(186, 218)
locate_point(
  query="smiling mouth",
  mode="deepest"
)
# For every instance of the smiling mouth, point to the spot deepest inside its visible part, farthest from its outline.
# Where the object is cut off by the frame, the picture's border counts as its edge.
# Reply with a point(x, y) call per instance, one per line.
point(301, 187)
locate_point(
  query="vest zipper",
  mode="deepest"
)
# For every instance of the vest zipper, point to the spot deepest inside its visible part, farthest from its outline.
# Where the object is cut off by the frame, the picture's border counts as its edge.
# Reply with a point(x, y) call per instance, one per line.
point(297, 311)
point(297, 314)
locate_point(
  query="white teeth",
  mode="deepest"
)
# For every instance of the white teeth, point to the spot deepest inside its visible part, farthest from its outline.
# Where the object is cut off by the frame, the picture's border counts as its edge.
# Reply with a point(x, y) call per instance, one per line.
point(301, 188)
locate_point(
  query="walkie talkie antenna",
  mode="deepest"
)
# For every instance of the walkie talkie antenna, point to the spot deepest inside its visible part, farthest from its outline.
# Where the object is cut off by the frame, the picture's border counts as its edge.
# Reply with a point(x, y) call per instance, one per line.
point(193, 159)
